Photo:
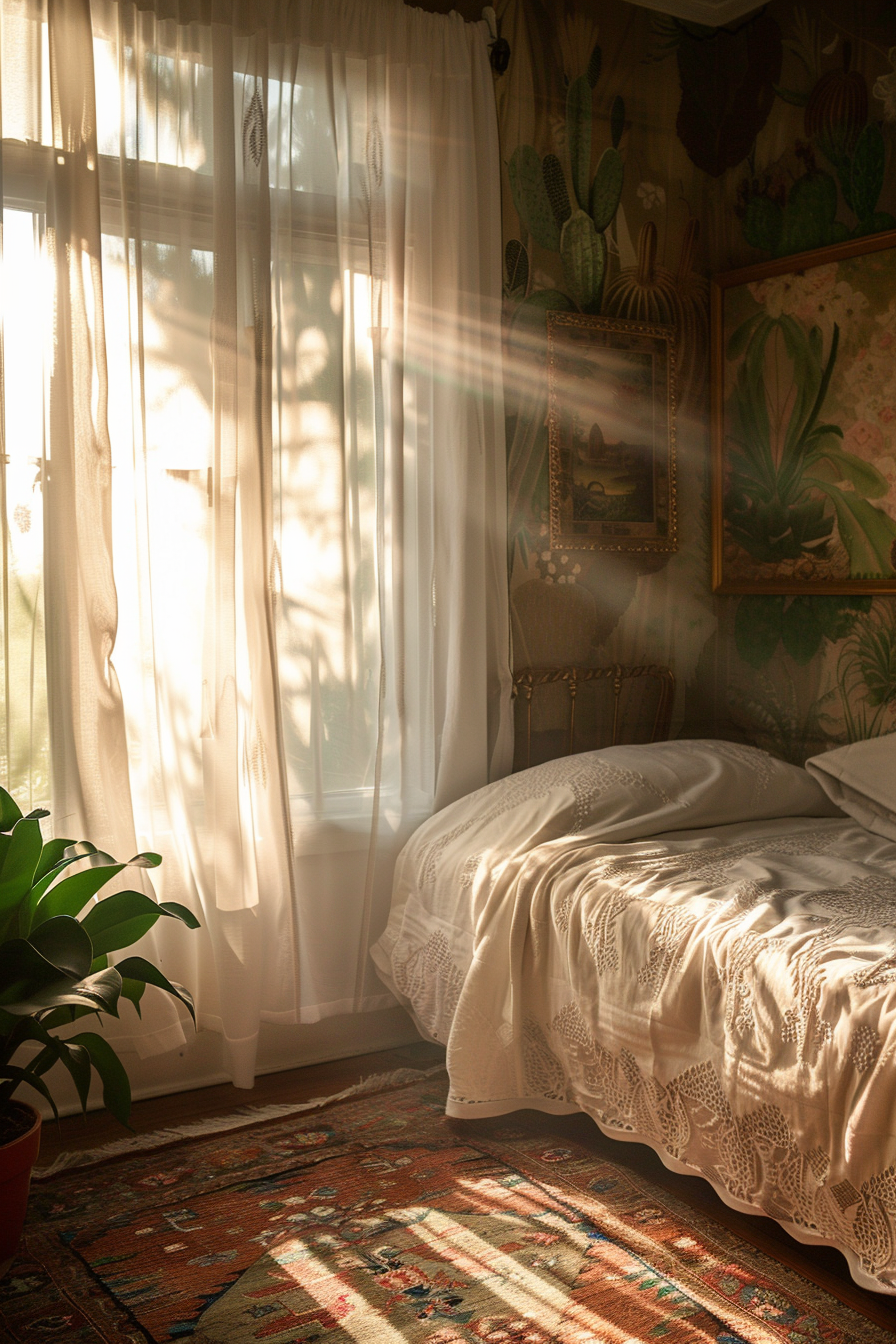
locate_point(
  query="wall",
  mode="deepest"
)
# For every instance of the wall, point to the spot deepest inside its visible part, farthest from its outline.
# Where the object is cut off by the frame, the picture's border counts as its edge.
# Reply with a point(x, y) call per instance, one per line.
point(704, 121)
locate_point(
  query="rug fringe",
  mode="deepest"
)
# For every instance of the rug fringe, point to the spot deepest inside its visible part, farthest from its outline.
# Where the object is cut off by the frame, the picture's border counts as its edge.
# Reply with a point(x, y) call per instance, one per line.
point(244, 1115)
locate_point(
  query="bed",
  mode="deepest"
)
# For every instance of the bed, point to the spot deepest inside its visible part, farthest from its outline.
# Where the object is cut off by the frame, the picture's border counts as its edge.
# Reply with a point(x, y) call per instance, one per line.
point(694, 943)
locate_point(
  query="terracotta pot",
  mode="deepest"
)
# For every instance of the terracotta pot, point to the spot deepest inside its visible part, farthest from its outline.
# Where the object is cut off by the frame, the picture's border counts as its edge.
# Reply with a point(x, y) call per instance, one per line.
point(16, 1160)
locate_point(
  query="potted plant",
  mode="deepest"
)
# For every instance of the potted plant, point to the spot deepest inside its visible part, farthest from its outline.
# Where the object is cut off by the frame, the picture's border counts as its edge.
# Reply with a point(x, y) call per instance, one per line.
point(55, 943)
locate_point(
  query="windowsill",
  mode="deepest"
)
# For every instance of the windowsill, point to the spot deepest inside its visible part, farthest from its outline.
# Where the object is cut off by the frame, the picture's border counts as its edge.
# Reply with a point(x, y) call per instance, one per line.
point(346, 826)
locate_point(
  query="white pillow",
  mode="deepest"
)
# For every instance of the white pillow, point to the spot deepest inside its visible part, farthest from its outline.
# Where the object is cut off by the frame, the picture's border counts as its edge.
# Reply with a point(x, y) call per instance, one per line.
point(861, 779)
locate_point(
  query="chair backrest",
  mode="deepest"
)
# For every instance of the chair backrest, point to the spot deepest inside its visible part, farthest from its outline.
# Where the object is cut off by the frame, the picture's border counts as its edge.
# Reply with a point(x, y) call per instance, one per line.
point(560, 710)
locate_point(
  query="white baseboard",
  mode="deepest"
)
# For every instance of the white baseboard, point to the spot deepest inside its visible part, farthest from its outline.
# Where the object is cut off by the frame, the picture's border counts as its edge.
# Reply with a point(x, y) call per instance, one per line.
point(198, 1063)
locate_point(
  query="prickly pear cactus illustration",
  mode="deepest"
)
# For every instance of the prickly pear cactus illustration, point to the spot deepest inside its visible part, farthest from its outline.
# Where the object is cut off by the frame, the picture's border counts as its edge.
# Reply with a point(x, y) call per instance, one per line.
point(575, 228)
point(530, 196)
point(836, 122)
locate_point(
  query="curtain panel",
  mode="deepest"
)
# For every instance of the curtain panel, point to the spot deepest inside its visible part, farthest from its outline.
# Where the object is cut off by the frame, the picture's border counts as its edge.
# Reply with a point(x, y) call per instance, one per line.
point(271, 463)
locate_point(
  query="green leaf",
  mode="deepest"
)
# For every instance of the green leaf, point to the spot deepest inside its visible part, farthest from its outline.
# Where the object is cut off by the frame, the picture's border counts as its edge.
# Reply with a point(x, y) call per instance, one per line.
point(52, 853)
point(180, 912)
point(740, 337)
point(606, 189)
point(71, 854)
point(10, 812)
point(867, 480)
point(137, 968)
point(69, 896)
point(133, 990)
point(801, 630)
point(531, 198)
point(758, 624)
point(18, 1077)
point(22, 970)
point(749, 405)
point(64, 1016)
point(116, 1088)
point(120, 920)
point(76, 1059)
point(868, 533)
point(791, 473)
point(19, 862)
point(805, 377)
point(867, 170)
point(578, 136)
point(145, 860)
point(73, 1057)
point(64, 943)
point(99, 993)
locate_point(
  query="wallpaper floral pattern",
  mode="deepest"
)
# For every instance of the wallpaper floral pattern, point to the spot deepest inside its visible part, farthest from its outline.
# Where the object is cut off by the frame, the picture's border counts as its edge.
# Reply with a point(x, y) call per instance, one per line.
point(642, 154)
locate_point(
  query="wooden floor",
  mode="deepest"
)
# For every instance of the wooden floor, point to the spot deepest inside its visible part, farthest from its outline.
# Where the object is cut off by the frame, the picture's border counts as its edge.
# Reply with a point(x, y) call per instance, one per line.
point(317, 1080)
point(819, 1264)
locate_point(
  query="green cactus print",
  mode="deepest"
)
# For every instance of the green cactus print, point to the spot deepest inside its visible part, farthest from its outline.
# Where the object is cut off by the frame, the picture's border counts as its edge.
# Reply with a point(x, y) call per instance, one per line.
point(542, 199)
point(617, 120)
point(531, 198)
point(555, 186)
point(606, 189)
point(578, 136)
point(583, 251)
point(516, 266)
point(808, 218)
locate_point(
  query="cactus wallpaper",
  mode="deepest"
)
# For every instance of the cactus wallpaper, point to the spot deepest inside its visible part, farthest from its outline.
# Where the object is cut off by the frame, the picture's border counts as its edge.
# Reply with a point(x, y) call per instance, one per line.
point(641, 154)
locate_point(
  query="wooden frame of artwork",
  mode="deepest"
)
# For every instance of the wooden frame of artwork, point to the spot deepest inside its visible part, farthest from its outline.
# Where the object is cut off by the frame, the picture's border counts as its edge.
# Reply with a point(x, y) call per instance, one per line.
point(611, 429)
point(804, 422)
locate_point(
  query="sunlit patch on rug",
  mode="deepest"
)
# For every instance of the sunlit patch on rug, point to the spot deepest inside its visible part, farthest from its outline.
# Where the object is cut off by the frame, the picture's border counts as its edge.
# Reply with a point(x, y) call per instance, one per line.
point(379, 1221)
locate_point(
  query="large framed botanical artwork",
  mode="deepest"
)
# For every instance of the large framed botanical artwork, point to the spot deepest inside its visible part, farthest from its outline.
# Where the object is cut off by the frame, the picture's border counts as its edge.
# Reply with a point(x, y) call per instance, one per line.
point(611, 430)
point(804, 422)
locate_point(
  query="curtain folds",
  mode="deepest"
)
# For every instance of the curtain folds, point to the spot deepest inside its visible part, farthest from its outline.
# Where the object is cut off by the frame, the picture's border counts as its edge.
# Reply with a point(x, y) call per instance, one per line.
point(275, 560)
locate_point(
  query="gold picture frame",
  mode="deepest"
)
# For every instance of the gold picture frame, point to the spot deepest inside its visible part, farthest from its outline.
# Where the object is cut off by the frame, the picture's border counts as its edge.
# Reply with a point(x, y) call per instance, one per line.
point(804, 422)
point(611, 434)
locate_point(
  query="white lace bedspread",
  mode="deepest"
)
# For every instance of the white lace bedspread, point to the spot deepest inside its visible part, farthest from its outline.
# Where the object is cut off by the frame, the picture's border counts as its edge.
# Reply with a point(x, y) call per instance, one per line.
point(690, 943)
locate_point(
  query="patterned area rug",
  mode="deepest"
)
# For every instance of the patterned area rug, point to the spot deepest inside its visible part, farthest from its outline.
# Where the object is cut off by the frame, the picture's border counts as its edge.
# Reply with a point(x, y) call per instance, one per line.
point(377, 1220)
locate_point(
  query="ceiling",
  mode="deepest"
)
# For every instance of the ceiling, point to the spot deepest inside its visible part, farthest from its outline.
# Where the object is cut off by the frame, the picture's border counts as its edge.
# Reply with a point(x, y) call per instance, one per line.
point(713, 12)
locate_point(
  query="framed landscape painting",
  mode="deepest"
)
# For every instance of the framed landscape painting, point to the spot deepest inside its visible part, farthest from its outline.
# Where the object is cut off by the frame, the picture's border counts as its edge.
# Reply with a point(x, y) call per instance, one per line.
point(611, 428)
point(804, 422)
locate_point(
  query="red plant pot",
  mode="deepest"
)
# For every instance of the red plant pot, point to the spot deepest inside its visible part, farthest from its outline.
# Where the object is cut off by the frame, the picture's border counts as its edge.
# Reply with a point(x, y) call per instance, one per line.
point(16, 1160)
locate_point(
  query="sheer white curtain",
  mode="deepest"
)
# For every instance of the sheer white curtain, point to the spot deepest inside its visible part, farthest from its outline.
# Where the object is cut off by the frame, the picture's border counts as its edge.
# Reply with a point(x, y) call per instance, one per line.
point(288, 466)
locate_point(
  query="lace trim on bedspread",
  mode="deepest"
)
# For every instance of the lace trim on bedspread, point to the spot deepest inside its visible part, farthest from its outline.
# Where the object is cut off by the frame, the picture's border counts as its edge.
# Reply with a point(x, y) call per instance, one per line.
point(431, 982)
point(754, 1157)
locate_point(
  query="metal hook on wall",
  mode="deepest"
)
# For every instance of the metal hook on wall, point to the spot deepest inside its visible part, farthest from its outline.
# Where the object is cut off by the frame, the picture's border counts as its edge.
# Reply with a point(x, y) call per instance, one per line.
point(498, 47)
